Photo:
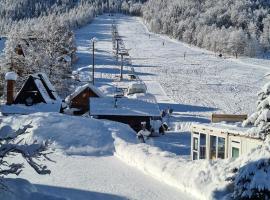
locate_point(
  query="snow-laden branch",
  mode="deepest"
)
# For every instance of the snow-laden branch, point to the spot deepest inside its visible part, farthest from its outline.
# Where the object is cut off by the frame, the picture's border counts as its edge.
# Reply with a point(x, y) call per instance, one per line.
point(10, 145)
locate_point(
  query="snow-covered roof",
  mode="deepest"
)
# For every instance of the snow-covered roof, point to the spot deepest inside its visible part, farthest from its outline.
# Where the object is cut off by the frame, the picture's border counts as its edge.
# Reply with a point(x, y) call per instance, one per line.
point(24, 110)
point(124, 107)
point(48, 83)
point(229, 128)
point(45, 88)
point(11, 76)
point(82, 88)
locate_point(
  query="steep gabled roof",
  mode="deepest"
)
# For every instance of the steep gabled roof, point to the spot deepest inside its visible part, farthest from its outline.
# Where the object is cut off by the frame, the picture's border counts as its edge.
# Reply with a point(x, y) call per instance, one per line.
point(81, 89)
point(41, 83)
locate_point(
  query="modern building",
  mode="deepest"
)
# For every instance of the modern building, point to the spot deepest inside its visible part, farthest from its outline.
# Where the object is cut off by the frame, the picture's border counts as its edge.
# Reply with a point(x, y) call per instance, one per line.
point(221, 140)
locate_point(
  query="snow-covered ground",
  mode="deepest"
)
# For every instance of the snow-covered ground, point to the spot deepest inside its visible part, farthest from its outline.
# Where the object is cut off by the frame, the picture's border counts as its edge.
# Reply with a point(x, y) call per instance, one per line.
point(194, 85)
point(89, 153)
point(199, 79)
point(85, 167)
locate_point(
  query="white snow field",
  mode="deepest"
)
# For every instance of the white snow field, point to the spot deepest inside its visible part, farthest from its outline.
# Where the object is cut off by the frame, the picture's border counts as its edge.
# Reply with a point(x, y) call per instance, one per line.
point(89, 153)
point(199, 79)
point(194, 86)
point(84, 167)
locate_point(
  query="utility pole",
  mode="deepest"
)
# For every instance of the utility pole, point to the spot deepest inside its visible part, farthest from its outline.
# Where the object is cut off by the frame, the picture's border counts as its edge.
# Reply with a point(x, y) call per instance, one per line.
point(117, 47)
point(93, 40)
point(122, 53)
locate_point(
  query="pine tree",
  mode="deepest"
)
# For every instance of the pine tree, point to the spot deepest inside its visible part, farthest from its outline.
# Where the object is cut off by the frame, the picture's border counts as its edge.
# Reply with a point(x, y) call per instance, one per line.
point(261, 117)
point(252, 181)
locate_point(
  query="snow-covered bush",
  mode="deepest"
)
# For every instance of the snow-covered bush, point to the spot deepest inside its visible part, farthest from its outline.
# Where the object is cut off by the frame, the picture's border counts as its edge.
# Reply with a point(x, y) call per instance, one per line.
point(11, 144)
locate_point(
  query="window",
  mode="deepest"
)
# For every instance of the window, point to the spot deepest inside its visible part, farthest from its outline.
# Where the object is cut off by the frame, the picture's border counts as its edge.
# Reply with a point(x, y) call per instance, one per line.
point(202, 146)
point(221, 147)
point(195, 155)
point(235, 152)
point(195, 144)
point(213, 145)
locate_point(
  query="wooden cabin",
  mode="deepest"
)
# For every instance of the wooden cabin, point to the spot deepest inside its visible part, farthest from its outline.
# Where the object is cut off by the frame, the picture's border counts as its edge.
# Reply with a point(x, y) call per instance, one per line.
point(36, 95)
point(36, 89)
point(220, 140)
point(129, 111)
point(79, 99)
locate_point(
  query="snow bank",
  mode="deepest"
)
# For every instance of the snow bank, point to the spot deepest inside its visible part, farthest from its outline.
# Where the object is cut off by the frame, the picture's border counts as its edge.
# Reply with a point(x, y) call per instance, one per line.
point(21, 189)
point(202, 178)
point(73, 135)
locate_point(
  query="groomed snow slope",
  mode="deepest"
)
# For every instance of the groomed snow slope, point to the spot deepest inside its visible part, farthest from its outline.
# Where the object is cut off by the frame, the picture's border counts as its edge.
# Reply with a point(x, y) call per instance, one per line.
point(201, 78)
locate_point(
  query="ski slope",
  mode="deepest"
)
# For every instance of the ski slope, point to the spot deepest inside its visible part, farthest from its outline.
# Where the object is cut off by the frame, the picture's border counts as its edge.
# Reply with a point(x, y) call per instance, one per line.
point(192, 81)
point(200, 78)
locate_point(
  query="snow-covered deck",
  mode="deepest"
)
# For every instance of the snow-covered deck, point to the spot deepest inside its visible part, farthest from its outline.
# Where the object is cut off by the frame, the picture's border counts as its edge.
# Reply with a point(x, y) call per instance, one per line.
point(25, 110)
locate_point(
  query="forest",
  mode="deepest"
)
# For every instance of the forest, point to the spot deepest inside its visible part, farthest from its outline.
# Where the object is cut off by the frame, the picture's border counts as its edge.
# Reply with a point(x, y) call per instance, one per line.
point(40, 37)
point(239, 27)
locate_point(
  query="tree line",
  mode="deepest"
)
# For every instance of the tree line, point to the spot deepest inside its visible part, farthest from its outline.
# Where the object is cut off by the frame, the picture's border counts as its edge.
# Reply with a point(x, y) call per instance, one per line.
point(239, 27)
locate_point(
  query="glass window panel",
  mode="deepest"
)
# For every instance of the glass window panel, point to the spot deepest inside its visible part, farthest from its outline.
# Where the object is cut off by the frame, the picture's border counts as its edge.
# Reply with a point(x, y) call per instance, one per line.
point(213, 145)
point(195, 155)
point(195, 144)
point(221, 147)
point(202, 146)
point(235, 152)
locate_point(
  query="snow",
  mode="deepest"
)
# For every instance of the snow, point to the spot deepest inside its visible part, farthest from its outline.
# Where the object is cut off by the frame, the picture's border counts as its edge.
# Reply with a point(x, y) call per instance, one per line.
point(85, 167)
point(23, 190)
point(48, 83)
point(23, 109)
point(71, 134)
point(12, 76)
point(82, 88)
point(122, 106)
point(2, 44)
point(197, 86)
point(136, 88)
point(193, 87)
point(43, 91)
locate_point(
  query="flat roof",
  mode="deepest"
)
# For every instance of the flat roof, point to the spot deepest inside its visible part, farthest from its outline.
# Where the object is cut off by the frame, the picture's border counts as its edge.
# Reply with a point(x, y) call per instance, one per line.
point(124, 107)
point(229, 128)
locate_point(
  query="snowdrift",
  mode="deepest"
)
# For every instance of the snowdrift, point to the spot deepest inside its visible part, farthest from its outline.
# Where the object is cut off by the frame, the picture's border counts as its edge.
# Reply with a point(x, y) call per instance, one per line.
point(72, 135)
point(203, 179)
point(23, 190)
point(90, 137)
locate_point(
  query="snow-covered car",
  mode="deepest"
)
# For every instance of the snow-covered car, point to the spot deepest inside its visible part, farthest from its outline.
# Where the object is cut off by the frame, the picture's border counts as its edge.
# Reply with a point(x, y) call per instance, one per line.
point(136, 88)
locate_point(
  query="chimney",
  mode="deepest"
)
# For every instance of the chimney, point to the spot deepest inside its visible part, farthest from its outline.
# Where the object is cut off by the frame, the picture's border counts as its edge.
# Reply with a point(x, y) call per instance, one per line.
point(11, 78)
